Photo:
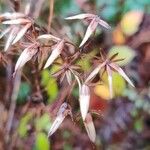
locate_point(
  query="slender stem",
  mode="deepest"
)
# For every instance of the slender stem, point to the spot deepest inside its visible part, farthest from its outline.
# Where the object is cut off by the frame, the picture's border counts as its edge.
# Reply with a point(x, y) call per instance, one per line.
point(51, 8)
point(16, 86)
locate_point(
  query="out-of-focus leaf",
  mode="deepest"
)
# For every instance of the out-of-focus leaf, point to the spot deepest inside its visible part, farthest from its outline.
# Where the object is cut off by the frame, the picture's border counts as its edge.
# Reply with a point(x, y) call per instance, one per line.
point(131, 5)
point(124, 52)
point(23, 126)
point(43, 123)
point(85, 61)
point(50, 85)
point(131, 21)
point(102, 91)
point(42, 142)
point(52, 89)
point(118, 84)
point(23, 92)
point(104, 2)
point(65, 7)
point(109, 13)
point(118, 36)
point(138, 125)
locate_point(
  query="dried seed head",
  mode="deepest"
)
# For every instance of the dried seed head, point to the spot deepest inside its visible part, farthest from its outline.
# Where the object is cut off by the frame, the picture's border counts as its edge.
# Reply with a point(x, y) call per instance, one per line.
point(95, 20)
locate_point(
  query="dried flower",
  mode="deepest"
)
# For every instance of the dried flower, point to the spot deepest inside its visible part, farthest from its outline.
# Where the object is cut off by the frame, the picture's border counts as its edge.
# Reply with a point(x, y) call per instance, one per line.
point(109, 65)
point(67, 70)
point(95, 21)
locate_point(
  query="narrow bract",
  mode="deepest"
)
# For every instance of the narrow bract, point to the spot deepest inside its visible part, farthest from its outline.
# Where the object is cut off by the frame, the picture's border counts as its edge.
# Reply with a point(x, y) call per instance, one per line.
point(21, 33)
point(48, 37)
point(25, 56)
point(55, 53)
point(80, 16)
point(17, 21)
point(62, 113)
point(109, 72)
point(94, 72)
point(91, 28)
point(84, 100)
point(11, 37)
point(122, 73)
point(90, 128)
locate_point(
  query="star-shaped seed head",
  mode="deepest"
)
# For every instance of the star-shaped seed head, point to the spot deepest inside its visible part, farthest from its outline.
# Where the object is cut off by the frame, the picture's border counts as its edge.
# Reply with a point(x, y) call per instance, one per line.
point(19, 25)
point(109, 65)
point(94, 22)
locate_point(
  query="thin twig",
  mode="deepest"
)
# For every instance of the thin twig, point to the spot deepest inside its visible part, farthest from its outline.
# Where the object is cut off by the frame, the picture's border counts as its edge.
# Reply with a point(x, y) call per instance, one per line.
point(51, 8)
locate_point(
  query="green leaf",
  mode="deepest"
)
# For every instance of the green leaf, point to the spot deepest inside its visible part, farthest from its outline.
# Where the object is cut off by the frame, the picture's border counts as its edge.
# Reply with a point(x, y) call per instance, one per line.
point(43, 123)
point(124, 52)
point(52, 89)
point(65, 7)
point(118, 83)
point(131, 21)
point(138, 125)
point(131, 5)
point(42, 142)
point(85, 62)
point(109, 13)
point(23, 125)
point(50, 85)
point(23, 92)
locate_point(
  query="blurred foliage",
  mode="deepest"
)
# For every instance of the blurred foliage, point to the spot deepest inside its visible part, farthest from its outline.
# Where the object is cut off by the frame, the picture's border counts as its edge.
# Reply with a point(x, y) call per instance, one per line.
point(50, 85)
point(24, 123)
point(118, 83)
point(124, 52)
point(65, 7)
point(42, 123)
point(113, 10)
point(128, 26)
point(42, 142)
point(24, 92)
